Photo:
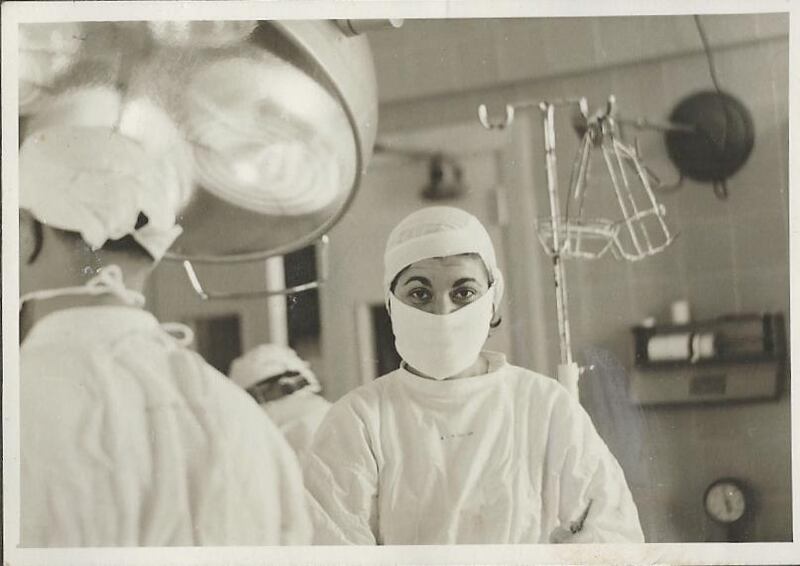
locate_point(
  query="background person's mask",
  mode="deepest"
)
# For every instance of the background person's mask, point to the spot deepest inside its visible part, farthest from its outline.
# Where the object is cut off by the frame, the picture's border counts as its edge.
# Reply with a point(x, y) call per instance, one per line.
point(441, 345)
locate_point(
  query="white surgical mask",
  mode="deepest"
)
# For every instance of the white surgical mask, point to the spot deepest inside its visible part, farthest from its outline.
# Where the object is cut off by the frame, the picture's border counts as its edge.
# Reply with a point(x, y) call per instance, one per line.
point(107, 282)
point(441, 345)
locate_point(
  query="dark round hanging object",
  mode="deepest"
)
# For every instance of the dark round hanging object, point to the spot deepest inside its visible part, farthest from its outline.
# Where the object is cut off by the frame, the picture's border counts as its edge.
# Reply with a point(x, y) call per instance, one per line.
point(720, 143)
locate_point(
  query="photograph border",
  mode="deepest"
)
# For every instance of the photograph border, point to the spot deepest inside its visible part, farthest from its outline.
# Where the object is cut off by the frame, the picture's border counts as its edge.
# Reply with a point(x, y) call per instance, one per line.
point(14, 13)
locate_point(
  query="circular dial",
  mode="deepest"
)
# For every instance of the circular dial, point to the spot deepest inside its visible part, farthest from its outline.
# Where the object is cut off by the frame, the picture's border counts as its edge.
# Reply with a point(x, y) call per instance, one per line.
point(725, 501)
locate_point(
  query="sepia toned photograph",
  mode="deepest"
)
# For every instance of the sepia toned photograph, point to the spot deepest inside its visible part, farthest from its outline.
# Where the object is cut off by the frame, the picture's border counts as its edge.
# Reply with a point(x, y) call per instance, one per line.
point(440, 282)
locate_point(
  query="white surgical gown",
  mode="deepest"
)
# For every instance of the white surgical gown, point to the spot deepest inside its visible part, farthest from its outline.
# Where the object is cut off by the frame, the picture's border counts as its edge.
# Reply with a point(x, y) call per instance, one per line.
point(505, 457)
point(128, 439)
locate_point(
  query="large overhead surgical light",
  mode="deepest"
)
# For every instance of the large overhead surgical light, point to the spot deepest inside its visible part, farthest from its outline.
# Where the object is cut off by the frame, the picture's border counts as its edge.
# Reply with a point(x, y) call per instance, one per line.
point(279, 119)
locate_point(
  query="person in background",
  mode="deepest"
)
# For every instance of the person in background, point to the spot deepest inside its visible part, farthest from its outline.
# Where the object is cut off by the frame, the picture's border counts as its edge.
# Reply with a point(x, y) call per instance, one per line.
point(287, 390)
point(127, 438)
point(457, 445)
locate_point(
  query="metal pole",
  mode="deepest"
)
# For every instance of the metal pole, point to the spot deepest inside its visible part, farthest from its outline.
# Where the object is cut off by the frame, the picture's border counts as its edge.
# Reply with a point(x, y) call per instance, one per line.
point(559, 274)
point(276, 306)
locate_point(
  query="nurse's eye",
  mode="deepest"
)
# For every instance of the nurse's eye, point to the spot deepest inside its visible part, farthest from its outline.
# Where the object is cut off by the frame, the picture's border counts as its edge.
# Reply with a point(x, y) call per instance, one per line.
point(419, 295)
point(463, 295)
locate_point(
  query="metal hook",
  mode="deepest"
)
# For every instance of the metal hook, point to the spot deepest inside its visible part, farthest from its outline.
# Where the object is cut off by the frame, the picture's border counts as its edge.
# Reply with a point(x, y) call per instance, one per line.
point(483, 116)
point(611, 107)
point(583, 106)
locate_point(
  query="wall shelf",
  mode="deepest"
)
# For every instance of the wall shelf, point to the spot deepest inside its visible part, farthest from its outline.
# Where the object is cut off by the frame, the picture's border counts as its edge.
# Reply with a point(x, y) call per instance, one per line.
point(748, 362)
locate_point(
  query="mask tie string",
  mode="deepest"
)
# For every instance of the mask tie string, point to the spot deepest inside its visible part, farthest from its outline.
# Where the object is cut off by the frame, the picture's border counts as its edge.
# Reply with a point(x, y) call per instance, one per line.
point(108, 281)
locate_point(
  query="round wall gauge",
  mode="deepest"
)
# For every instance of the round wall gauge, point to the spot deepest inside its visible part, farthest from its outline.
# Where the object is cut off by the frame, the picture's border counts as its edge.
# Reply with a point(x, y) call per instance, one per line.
point(726, 500)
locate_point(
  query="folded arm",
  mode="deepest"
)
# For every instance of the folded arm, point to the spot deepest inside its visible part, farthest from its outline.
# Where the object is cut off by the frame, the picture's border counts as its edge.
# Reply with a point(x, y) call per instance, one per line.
point(341, 477)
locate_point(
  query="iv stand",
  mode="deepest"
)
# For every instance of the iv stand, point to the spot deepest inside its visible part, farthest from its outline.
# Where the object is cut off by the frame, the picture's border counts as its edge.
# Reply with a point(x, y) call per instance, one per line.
point(568, 371)
point(566, 236)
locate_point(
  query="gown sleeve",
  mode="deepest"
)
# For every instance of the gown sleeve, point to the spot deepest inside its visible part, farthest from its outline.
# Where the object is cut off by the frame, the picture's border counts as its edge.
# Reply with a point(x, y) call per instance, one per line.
point(341, 477)
point(296, 527)
point(244, 480)
point(594, 502)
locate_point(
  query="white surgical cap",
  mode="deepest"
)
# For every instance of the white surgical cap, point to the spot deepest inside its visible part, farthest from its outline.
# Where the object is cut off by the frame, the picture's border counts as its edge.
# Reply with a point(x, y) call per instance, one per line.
point(439, 231)
point(269, 360)
point(93, 161)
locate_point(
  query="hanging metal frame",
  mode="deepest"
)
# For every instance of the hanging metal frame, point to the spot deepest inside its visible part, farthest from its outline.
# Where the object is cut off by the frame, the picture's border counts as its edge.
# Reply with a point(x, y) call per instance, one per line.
point(574, 237)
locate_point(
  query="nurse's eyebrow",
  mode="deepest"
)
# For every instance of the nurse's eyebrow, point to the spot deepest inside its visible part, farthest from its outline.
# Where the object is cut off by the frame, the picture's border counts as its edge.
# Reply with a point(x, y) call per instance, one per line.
point(465, 280)
point(423, 280)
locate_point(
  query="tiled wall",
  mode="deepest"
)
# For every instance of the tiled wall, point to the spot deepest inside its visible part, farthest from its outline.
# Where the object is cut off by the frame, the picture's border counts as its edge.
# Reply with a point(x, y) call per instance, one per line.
point(731, 256)
point(430, 58)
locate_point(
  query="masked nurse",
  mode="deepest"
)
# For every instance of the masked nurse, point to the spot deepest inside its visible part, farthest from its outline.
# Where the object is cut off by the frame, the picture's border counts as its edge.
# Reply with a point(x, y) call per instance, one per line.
point(458, 445)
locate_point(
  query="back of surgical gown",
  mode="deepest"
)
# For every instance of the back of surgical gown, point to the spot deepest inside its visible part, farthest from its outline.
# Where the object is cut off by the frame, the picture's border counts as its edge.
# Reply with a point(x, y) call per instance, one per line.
point(129, 440)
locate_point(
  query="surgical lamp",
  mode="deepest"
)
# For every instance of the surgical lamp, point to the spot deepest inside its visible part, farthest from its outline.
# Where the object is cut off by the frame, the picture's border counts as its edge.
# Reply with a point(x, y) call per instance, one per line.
point(281, 118)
